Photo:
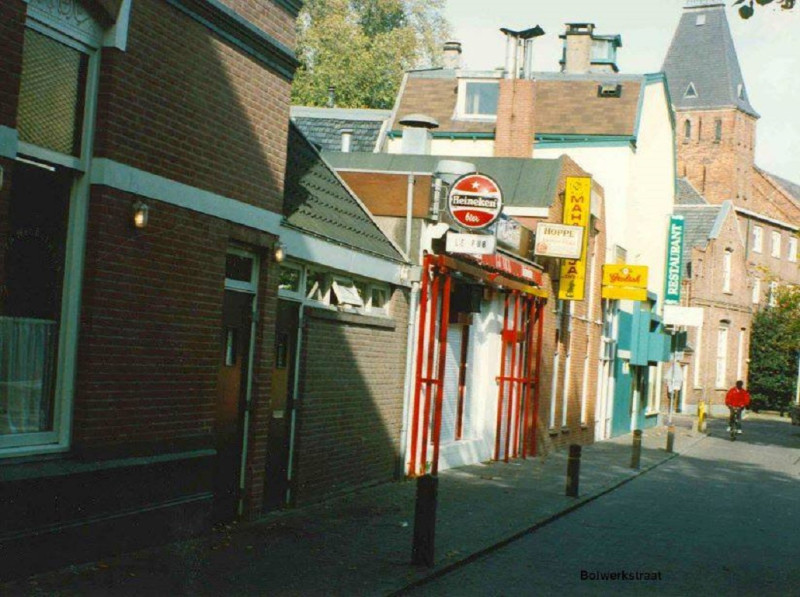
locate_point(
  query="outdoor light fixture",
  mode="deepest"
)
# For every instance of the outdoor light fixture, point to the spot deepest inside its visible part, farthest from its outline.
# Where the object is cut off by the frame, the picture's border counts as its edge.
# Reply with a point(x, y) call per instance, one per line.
point(140, 211)
point(279, 252)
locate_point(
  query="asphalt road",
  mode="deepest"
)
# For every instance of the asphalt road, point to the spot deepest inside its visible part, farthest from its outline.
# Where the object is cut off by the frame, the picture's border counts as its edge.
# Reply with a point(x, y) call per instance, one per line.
point(722, 519)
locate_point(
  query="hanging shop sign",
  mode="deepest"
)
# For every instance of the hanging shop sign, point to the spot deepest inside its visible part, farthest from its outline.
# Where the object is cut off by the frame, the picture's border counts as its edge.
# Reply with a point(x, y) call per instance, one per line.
point(558, 240)
point(474, 201)
point(672, 282)
point(471, 244)
point(577, 212)
point(623, 281)
point(513, 267)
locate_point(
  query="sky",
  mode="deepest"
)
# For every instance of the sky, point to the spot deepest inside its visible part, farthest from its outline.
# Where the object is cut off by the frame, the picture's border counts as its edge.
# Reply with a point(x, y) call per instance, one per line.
point(769, 54)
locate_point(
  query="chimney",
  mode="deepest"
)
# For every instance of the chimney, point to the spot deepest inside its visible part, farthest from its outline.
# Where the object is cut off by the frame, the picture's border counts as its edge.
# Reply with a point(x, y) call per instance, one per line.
point(417, 136)
point(331, 97)
point(577, 48)
point(452, 55)
point(347, 139)
point(514, 128)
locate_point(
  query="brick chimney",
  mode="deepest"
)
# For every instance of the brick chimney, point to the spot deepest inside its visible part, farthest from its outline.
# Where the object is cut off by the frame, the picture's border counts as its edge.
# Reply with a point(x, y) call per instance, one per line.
point(577, 48)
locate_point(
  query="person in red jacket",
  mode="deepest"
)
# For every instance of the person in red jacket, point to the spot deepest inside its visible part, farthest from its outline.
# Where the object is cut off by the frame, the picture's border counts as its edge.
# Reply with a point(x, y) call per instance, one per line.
point(736, 399)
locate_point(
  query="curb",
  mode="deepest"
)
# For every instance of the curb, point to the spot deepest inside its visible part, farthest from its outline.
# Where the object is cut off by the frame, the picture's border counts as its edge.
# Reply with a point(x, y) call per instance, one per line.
point(582, 501)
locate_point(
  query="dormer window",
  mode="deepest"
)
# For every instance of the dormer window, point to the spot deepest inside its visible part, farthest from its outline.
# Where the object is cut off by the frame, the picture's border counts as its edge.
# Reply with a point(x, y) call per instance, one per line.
point(478, 99)
point(740, 91)
point(701, 20)
point(690, 91)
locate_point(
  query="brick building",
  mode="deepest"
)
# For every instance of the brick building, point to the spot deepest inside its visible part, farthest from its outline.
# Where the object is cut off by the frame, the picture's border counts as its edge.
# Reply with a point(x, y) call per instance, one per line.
point(716, 137)
point(138, 280)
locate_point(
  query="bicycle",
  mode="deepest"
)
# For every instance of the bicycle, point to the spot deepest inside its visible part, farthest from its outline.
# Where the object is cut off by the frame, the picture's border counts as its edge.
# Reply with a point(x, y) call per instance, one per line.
point(735, 421)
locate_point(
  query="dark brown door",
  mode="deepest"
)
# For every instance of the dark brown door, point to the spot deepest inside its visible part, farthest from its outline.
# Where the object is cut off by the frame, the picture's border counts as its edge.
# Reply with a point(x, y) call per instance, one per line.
point(231, 402)
point(276, 481)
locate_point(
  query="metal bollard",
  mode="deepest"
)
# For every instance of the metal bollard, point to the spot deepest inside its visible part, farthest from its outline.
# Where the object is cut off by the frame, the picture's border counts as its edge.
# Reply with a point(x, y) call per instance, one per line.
point(670, 438)
point(701, 416)
point(573, 470)
point(422, 550)
point(637, 448)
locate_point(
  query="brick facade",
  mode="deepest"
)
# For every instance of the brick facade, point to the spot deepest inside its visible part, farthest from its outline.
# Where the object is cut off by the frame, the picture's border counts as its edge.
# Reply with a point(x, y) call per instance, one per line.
point(515, 118)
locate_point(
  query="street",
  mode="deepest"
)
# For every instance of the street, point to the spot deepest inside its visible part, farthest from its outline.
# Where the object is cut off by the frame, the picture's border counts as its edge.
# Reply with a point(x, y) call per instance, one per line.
point(720, 519)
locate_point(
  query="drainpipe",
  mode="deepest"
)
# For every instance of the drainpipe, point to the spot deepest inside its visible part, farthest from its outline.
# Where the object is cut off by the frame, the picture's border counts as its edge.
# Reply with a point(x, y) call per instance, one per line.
point(410, 374)
point(409, 212)
point(295, 387)
point(248, 401)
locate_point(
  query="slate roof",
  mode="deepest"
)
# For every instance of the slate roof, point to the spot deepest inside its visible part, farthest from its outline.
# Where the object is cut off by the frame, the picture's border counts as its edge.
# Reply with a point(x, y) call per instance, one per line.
point(686, 194)
point(525, 182)
point(791, 188)
point(565, 104)
point(704, 56)
point(317, 202)
point(701, 225)
point(323, 126)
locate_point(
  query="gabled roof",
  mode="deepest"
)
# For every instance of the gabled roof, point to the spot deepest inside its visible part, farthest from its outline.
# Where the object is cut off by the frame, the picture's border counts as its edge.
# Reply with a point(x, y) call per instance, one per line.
point(702, 224)
point(525, 182)
point(790, 188)
point(564, 104)
point(317, 202)
point(323, 126)
point(701, 65)
point(686, 194)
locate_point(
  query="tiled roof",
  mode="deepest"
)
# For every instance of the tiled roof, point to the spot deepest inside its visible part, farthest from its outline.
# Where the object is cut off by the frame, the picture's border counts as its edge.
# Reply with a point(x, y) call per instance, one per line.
point(699, 221)
point(525, 182)
point(317, 202)
point(791, 188)
point(687, 194)
point(564, 104)
point(323, 126)
point(701, 65)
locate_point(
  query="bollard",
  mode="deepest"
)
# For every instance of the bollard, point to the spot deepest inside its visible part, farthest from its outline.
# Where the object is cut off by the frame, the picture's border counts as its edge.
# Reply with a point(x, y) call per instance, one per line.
point(670, 438)
point(573, 470)
point(422, 549)
point(701, 417)
point(637, 448)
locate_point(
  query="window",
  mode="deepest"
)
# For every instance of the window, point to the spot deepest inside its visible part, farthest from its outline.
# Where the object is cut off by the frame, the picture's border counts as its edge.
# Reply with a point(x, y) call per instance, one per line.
point(700, 20)
point(345, 294)
point(291, 280)
point(740, 354)
point(793, 248)
point(776, 244)
point(478, 99)
point(722, 356)
point(758, 239)
point(318, 286)
point(772, 294)
point(726, 270)
point(690, 91)
point(603, 50)
point(756, 291)
point(717, 130)
point(687, 129)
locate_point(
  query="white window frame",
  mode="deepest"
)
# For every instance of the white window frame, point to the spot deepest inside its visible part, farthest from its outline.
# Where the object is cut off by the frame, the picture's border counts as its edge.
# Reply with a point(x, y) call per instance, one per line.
point(772, 298)
point(461, 105)
point(758, 239)
point(383, 309)
point(756, 291)
point(293, 294)
point(727, 260)
point(722, 357)
point(775, 247)
point(241, 285)
point(740, 355)
point(793, 249)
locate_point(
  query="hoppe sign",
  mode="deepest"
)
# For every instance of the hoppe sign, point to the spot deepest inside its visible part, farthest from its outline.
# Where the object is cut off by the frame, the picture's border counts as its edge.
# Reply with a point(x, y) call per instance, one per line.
point(474, 201)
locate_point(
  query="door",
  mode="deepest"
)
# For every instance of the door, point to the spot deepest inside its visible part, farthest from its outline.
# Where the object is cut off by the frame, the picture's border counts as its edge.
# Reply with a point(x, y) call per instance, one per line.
point(231, 402)
point(283, 373)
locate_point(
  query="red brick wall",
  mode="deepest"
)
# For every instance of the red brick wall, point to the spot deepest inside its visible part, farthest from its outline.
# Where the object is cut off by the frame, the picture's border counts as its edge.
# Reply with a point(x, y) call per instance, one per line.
point(267, 16)
point(12, 18)
point(515, 122)
point(351, 403)
point(182, 104)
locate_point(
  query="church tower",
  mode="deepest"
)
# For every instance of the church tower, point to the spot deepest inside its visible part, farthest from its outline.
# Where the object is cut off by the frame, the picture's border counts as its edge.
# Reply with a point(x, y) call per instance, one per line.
point(715, 123)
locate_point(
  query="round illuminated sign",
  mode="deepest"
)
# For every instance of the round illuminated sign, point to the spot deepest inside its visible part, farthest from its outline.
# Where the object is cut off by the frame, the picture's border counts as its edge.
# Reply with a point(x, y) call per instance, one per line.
point(474, 201)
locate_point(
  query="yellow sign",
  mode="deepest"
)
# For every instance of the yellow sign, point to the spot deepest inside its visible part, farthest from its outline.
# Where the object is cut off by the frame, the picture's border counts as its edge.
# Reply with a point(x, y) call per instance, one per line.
point(577, 211)
point(626, 282)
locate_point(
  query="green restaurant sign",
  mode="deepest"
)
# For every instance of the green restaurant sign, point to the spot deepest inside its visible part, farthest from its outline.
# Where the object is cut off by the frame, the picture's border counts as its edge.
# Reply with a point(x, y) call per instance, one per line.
point(672, 283)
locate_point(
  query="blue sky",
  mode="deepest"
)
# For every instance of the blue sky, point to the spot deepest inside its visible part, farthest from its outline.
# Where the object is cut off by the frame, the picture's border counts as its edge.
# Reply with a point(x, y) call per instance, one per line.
point(767, 45)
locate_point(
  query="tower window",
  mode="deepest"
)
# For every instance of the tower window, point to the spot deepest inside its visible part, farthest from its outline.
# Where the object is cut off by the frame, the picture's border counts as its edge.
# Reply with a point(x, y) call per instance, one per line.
point(687, 129)
point(690, 91)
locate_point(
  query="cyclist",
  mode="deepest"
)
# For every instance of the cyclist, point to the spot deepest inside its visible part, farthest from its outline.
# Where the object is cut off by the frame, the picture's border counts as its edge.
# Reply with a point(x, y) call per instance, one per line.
point(736, 399)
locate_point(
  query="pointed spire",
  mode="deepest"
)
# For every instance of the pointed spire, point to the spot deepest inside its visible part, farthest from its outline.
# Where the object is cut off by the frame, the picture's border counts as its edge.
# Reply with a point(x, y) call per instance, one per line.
point(701, 65)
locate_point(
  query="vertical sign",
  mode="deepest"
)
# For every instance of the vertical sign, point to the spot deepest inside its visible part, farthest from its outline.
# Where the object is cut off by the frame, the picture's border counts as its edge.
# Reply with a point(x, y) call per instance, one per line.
point(672, 282)
point(577, 210)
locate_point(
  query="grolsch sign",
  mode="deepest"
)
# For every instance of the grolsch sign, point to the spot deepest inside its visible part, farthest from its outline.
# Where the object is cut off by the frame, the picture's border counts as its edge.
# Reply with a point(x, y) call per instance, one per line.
point(474, 201)
point(672, 283)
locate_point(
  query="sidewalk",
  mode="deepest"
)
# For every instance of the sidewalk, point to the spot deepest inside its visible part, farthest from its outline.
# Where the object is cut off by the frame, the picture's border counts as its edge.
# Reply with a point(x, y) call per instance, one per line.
point(360, 544)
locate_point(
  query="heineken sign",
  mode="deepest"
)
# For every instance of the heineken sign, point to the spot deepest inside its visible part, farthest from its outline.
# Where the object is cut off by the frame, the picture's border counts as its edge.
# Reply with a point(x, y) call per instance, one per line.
point(672, 283)
point(474, 201)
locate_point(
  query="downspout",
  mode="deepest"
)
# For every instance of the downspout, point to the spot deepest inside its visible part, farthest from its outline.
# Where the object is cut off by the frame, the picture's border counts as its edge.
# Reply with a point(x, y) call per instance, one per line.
point(410, 374)
point(409, 212)
point(295, 388)
point(248, 402)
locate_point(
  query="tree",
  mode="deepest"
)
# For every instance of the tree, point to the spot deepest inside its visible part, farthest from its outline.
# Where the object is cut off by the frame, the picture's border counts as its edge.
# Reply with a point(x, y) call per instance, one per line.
point(774, 350)
point(361, 48)
point(747, 9)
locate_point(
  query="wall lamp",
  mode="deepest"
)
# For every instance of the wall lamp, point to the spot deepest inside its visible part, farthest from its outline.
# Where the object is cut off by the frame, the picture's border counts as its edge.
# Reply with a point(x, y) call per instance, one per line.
point(279, 252)
point(140, 214)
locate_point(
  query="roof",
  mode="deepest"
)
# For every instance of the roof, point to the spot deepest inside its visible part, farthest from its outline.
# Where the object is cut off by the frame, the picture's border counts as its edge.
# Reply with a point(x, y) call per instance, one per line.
point(525, 182)
point(564, 104)
point(792, 189)
point(317, 202)
point(701, 65)
point(702, 223)
point(323, 126)
point(686, 193)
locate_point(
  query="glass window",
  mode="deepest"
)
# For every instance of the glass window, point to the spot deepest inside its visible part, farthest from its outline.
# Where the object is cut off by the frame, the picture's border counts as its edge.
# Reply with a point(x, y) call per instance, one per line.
point(776, 244)
point(51, 95)
point(480, 98)
point(687, 129)
point(379, 298)
point(758, 239)
point(722, 357)
point(345, 293)
point(718, 130)
point(726, 271)
point(238, 267)
point(318, 286)
point(756, 291)
point(290, 278)
point(793, 248)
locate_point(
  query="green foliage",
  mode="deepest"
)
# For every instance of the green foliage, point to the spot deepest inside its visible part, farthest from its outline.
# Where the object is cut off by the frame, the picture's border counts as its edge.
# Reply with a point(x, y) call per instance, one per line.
point(363, 47)
point(747, 9)
point(774, 350)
